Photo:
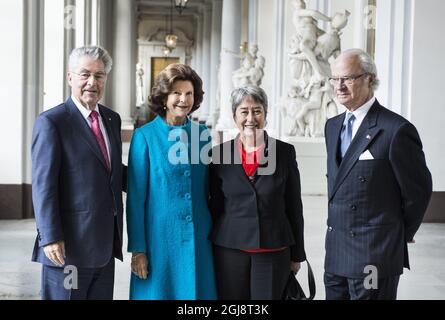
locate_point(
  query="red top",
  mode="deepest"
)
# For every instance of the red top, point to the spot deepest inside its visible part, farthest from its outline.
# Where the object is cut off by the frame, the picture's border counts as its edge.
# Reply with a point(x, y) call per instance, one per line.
point(250, 162)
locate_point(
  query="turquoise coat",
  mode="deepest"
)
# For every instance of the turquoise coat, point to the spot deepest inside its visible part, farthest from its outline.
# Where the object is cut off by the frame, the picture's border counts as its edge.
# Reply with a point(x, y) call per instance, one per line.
point(167, 211)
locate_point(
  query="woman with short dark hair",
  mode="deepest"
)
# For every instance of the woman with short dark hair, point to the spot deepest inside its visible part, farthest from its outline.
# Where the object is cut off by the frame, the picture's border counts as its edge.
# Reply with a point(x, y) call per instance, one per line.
point(256, 206)
point(167, 213)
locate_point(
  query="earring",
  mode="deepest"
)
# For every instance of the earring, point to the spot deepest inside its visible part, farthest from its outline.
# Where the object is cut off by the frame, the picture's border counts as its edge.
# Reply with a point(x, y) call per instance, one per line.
point(165, 108)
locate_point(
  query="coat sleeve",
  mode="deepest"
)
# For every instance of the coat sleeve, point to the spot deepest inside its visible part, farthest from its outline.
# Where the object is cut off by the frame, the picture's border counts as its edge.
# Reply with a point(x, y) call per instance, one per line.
point(294, 208)
point(46, 163)
point(413, 177)
point(137, 192)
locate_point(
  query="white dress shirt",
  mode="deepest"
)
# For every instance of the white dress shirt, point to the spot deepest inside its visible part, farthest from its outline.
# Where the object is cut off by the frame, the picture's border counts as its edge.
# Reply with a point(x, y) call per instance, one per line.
point(360, 114)
point(86, 114)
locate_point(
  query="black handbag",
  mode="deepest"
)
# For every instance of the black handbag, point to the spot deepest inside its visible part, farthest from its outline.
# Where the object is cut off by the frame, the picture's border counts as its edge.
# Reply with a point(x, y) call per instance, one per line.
point(293, 290)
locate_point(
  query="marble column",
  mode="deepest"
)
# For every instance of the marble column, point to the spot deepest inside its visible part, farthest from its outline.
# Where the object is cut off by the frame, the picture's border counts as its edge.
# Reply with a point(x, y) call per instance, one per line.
point(69, 41)
point(230, 40)
point(88, 11)
point(215, 48)
point(253, 22)
point(197, 57)
point(123, 82)
point(274, 124)
point(32, 76)
point(205, 67)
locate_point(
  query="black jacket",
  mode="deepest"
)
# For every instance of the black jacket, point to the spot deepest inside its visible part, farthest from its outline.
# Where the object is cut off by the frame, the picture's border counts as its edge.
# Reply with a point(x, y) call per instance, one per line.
point(266, 213)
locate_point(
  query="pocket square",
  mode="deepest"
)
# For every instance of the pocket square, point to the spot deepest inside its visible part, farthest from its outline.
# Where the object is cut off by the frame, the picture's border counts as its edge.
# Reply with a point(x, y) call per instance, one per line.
point(366, 156)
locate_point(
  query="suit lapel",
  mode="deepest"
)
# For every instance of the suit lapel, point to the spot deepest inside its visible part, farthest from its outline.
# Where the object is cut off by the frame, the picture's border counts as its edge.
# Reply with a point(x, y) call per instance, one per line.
point(364, 136)
point(81, 128)
point(107, 121)
point(333, 144)
point(236, 160)
point(335, 139)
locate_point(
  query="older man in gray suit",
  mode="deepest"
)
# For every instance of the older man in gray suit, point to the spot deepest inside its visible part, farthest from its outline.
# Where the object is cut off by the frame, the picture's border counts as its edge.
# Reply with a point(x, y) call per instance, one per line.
point(378, 187)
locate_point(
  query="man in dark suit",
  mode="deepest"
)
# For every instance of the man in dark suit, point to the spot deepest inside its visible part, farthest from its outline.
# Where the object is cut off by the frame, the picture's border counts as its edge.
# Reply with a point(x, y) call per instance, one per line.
point(77, 186)
point(378, 187)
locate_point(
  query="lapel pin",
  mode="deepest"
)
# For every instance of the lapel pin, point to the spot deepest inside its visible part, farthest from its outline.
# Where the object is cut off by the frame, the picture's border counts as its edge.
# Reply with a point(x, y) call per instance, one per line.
point(368, 137)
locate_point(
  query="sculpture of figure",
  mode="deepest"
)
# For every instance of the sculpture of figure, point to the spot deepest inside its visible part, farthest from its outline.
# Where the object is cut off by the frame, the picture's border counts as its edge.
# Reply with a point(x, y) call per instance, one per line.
point(315, 94)
point(307, 33)
point(289, 108)
point(328, 44)
point(256, 73)
point(139, 85)
point(310, 100)
point(241, 76)
point(252, 68)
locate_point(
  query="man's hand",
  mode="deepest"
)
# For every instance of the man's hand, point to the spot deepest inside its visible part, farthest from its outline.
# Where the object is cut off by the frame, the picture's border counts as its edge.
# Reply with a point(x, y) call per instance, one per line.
point(139, 264)
point(56, 253)
point(295, 266)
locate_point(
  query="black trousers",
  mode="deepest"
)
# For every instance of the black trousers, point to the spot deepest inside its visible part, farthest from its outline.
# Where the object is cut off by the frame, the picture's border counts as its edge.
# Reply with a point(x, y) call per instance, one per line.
point(251, 276)
point(341, 288)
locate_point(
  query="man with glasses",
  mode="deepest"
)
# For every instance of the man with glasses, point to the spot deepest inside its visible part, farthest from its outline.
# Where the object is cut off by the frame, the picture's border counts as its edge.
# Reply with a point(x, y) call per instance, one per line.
point(77, 186)
point(378, 187)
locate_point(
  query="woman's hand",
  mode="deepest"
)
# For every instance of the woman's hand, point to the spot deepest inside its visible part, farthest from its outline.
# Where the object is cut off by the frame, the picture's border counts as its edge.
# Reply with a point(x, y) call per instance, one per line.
point(295, 266)
point(139, 264)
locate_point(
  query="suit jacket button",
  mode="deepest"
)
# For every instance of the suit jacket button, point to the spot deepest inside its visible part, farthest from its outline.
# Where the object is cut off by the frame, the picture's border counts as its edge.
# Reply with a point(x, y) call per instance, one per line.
point(353, 207)
point(330, 229)
point(362, 179)
point(352, 233)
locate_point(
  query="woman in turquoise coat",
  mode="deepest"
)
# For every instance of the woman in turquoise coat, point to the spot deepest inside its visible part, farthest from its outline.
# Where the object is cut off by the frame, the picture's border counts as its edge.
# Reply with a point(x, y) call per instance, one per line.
point(168, 219)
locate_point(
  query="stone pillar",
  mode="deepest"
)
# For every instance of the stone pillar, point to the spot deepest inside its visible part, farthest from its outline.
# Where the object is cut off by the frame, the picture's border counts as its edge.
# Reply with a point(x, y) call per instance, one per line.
point(205, 66)
point(253, 22)
point(88, 11)
point(32, 76)
point(230, 40)
point(278, 68)
point(214, 62)
point(123, 82)
point(69, 41)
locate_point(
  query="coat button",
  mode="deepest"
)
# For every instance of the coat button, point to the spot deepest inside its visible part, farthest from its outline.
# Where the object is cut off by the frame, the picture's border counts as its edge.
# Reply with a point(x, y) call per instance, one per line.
point(187, 173)
point(188, 218)
point(362, 179)
point(353, 207)
point(187, 196)
point(330, 229)
point(352, 233)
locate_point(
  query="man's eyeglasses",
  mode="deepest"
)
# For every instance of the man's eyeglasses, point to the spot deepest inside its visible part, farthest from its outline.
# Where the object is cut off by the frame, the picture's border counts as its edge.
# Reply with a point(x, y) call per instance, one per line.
point(100, 77)
point(346, 80)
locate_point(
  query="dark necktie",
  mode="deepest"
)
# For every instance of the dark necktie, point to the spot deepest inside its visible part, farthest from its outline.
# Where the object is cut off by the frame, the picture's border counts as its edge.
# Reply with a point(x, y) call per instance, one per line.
point(346, 134)
point(94, 116)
